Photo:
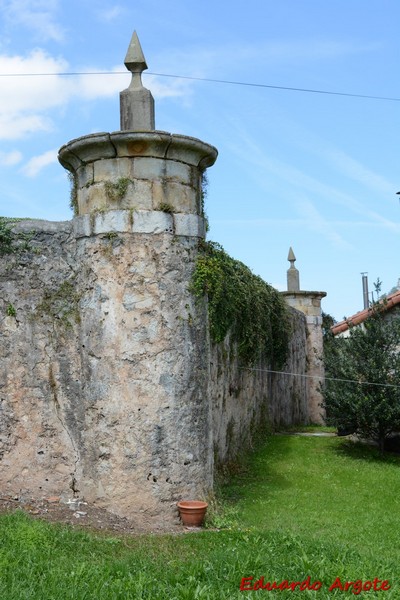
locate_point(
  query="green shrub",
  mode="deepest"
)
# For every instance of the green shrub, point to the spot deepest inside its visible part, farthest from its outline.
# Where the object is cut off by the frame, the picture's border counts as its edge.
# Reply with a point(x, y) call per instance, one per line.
point(362, 388)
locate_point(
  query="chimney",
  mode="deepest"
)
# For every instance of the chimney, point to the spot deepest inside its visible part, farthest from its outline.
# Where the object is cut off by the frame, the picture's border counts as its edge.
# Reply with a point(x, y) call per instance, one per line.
point(365, 289)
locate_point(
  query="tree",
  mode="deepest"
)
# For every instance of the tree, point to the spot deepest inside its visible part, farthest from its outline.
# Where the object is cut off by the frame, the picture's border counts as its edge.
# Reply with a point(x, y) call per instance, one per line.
point(362, 387)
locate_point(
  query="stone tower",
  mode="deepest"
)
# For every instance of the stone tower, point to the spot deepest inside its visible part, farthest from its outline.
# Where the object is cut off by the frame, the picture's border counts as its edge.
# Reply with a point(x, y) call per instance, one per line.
point(146, 421)
point(111, 388)
point(309, 303)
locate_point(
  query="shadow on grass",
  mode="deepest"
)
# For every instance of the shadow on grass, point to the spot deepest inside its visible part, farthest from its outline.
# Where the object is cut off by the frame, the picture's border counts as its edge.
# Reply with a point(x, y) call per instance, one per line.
point(364, 451)
point(258, 467)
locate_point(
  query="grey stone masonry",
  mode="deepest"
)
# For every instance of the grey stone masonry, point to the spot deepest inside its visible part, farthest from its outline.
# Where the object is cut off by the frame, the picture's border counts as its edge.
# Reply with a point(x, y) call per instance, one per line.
point(138, 171)
point(136, 102)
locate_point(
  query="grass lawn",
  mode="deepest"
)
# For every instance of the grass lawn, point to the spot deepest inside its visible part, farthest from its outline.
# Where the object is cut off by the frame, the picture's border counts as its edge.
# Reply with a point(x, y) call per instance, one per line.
point(300, 506)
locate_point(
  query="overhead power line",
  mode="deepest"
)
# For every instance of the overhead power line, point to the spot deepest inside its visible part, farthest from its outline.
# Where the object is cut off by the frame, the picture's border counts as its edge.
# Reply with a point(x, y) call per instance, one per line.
point(208, 80)
point(319, 377)
point(280, 87)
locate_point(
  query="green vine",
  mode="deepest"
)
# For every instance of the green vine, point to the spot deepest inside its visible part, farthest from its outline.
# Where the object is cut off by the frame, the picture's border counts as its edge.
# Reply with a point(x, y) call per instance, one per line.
point(73, 195)
point(203, 196)
point(243, 305)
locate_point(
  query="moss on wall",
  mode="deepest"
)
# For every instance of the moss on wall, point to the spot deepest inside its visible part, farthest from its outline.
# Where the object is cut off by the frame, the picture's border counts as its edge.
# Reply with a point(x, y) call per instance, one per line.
point(61, 305)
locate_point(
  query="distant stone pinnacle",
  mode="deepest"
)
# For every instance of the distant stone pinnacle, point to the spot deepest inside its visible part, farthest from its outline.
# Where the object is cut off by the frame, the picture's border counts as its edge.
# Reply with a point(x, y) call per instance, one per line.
point(293, 277)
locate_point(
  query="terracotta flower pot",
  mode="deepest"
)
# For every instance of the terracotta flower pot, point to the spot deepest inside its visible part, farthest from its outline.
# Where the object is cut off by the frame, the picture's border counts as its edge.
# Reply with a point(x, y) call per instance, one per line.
point(192, 512)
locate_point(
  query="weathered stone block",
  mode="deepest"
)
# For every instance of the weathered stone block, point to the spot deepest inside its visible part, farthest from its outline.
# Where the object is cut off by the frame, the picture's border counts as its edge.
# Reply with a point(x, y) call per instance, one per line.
point(112, 169)
point(85, 175)
point(93, 198)
point(83, 201)
point(137, 110)
point(191, 225)
point(149, 168)
point(141, 196)
point(180, 172)
point(82, 226)
point(111, 221)
point(158, 194)
point(182, 198)
point(152, 222)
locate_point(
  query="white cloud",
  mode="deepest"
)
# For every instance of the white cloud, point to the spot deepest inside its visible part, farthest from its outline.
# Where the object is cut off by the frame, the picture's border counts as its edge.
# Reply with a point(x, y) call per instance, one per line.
point(90, 87)
point(111, 14)
point(27, 101)
point(37, 163)
point(9, 159)
point(24, 101)
point(31, 92)
point(168, 88)
point(14, 126)
point(37, 15)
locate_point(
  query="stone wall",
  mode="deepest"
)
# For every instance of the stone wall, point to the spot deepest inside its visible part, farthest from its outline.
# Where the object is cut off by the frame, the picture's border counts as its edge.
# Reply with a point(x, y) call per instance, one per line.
point(109, 388)
point(104, 366)
point(246, 399)
point(309, 303)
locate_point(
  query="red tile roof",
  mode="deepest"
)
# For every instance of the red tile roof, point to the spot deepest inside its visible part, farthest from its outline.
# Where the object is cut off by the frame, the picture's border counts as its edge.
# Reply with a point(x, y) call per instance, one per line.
point(388, 303)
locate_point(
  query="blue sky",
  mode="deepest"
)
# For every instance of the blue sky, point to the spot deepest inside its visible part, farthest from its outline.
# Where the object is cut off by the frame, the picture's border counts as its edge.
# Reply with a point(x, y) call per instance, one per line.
point(313, 171)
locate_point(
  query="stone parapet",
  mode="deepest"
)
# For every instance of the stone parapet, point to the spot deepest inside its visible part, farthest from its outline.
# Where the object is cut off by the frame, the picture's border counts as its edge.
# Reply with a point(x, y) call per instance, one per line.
point(308, 303)
point(137, 170)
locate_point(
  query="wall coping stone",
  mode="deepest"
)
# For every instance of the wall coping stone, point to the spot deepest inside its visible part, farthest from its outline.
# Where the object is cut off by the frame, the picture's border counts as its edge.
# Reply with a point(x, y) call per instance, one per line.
point(27, 225)
point(156, 144)
point(304, 294)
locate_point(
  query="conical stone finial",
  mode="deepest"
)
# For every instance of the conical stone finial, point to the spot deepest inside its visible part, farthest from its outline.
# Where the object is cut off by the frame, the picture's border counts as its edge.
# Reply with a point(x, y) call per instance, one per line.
point(134, 59)
point(293, 277)
point(136, 102)
point(291, 257)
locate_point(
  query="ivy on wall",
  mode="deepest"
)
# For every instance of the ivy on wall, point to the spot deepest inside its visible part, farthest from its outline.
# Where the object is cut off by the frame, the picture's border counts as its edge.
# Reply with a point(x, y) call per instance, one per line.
point(10, 242)
point(242, 304)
